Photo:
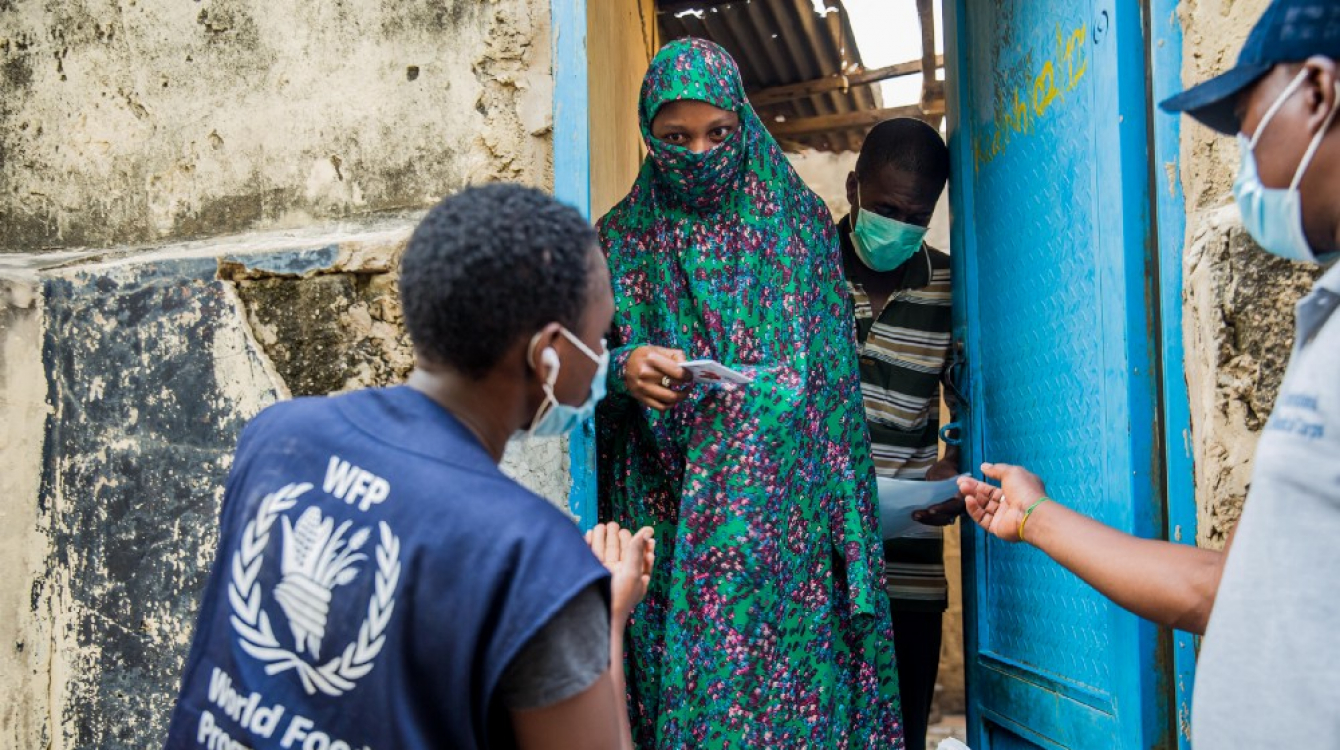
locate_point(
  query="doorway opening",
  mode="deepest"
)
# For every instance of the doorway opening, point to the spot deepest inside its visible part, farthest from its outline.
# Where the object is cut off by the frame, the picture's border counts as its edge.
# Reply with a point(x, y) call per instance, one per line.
point(820, 74)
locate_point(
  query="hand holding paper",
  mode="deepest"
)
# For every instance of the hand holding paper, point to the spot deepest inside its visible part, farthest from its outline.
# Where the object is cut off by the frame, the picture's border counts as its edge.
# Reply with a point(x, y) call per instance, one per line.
point(899, 498)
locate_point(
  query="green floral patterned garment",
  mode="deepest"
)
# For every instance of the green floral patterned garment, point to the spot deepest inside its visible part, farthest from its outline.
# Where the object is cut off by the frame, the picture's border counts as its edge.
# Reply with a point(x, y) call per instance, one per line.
point(767, 623)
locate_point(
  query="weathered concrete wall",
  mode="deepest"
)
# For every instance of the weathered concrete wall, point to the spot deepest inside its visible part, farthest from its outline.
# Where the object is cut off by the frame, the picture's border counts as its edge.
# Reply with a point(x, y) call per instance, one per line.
point(127, 370)
point(147, 375)
point(25, 631)
point(135, 122)
point(1238, 301)
point(1238, 330)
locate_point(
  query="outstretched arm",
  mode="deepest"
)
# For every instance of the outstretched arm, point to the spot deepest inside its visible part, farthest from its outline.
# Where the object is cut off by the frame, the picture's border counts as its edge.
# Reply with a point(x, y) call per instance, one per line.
point(630, 558)
point(597, 718)
point(1169, 584)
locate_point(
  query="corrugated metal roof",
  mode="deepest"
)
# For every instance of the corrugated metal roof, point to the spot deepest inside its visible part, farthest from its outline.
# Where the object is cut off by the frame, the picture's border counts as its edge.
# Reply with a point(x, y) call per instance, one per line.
point(779, 42)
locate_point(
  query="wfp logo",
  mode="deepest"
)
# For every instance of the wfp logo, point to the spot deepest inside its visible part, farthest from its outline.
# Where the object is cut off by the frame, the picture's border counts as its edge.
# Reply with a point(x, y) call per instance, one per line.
point(317, 558)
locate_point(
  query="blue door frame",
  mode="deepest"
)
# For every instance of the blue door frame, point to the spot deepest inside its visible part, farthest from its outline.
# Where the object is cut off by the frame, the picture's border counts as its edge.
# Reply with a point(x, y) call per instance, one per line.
point(1170, 210)
point(1109, 681)
point(572, 185)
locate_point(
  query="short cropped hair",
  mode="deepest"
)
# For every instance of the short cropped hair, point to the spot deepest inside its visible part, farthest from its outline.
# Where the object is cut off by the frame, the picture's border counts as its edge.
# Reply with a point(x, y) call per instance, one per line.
point(907, 144)
point(489, 266)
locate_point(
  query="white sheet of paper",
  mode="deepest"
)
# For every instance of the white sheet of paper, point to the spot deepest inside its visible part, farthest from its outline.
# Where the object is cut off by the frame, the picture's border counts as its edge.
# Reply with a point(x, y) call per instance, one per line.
point(898, 498)
point(712, 371)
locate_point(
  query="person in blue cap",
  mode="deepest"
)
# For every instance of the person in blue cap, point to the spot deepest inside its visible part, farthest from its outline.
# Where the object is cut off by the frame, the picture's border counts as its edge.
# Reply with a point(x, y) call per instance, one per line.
point(1269, 668)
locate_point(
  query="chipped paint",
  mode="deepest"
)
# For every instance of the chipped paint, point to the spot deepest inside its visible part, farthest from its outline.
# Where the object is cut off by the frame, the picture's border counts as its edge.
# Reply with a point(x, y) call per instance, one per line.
point(145, 226)
point(25, 631)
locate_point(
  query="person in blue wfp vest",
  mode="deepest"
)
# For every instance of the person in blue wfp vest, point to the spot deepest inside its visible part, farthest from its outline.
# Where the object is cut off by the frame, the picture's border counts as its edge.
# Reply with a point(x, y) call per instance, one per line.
point(379, 583)
point(1269, 670)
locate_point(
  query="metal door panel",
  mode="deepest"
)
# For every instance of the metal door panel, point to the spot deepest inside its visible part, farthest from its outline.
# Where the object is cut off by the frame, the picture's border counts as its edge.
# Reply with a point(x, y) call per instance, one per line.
point(1052, 241)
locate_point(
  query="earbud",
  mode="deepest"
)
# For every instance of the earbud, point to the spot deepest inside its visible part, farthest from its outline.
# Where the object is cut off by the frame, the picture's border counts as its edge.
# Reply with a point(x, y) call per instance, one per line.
point(549, 358)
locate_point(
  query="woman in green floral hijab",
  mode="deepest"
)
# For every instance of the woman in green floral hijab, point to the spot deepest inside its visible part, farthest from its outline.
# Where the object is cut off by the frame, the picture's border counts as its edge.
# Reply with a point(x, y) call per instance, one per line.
point(766, 624)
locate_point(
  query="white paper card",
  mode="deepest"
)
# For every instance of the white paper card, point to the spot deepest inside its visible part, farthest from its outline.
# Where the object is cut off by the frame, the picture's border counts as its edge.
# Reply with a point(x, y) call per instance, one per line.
point(712, 371)
point(898, 498)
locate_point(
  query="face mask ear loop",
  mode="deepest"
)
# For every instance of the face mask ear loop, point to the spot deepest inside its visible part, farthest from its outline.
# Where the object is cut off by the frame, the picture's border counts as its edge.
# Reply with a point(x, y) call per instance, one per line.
point(581, 346)
point(1279, 102)
point(548, 386)
point(1316, 142)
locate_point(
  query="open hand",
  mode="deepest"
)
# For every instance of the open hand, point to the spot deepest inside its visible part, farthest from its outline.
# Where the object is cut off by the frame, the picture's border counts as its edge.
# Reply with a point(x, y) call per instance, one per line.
point(1000, 509)
point(629, 558)
point(652, 374)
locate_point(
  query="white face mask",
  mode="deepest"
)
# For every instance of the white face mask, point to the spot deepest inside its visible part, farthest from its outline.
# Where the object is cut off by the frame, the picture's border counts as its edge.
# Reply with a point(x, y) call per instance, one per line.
point(554, 417)
point(1274, 216)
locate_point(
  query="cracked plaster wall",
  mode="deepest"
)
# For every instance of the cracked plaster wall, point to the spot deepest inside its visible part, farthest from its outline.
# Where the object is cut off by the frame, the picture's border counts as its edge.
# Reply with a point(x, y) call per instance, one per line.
point(1238, 302)
point(126, 370)
point(25, 633)
point(135, 121)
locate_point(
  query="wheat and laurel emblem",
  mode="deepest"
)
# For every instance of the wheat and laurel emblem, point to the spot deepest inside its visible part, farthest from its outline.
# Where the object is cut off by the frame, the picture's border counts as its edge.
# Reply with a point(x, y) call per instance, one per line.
point(317, 558)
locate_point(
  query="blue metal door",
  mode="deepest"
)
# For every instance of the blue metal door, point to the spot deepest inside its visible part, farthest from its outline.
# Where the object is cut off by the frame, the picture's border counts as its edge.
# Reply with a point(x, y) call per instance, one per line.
point(1058, 311)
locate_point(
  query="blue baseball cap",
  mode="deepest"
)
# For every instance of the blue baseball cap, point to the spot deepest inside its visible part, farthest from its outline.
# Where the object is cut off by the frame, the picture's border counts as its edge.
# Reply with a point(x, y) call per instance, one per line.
point(1289, 31)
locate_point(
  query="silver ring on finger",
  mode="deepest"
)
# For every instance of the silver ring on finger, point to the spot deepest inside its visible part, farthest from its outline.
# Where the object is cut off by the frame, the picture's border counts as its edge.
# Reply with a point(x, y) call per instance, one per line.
point(665, 381)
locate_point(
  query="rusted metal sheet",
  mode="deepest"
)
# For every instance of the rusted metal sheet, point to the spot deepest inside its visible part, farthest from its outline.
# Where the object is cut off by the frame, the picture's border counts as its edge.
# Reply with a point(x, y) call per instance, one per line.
point(779, 43)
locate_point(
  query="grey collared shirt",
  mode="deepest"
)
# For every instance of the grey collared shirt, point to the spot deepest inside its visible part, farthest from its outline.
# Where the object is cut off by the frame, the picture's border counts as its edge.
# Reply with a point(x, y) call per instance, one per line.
point(1269, 671)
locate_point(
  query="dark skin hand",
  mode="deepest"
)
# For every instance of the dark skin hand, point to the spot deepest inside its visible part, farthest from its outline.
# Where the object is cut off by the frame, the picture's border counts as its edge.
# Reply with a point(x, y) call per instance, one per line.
point(645, 374)
point(584, 720)
point(943, 514)
point(901, 195)
point(1170, 584)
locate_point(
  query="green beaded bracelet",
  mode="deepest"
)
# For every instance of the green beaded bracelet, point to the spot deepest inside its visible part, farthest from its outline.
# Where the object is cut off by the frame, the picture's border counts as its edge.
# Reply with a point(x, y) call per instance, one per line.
point(1028, 513)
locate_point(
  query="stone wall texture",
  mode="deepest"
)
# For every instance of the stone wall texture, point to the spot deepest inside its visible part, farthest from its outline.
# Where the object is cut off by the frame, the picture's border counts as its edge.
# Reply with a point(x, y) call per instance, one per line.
point(135, 122)
point(202, 205)
point(1238, 301)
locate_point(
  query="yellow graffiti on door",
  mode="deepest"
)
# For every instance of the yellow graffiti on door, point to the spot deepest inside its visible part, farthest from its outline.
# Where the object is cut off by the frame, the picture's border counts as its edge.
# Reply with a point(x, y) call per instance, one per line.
point(1024, 107)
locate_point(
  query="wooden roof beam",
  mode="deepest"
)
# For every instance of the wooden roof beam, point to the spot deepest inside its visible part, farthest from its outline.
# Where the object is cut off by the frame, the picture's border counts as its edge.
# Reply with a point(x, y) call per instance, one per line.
point(792, 91)
point(929, 62)
point(806, 126)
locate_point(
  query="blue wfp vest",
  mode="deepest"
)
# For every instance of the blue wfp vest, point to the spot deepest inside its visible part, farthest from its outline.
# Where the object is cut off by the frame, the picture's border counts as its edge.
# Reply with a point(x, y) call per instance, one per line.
point(375, 574)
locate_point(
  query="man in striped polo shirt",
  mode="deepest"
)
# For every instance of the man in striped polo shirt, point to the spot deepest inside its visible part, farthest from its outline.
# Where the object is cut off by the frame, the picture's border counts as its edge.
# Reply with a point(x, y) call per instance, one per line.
point(901, 302)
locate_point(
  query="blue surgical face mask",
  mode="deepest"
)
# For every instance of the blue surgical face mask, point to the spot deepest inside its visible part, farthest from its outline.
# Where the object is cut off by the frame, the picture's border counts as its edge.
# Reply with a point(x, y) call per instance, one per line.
point(1274, 216)
point(882, 243)
point(554, 417)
